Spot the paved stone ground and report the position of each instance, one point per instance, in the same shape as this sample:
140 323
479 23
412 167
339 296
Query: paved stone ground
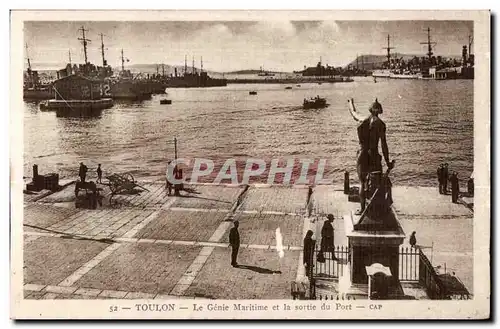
257 276
196 226
141 267
261 229
50 260
163 247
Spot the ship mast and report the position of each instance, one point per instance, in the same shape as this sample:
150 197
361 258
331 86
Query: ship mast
104 63
85 41
69 56
162 70
201 64
29 68
28 57
185 64
192 70
123 62
429 43
471 39
388 50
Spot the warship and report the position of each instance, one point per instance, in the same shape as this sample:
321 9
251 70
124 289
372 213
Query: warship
193 79
33 88
430 67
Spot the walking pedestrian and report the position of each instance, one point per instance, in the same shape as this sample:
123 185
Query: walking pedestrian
308 251
99 173
234 241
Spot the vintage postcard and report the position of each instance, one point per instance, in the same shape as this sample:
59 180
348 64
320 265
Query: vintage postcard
250 164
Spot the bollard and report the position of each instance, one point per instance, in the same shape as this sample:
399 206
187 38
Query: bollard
346 182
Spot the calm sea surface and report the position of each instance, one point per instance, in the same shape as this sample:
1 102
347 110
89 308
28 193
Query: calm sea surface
428 122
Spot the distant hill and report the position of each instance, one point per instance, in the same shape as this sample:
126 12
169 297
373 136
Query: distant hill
373 62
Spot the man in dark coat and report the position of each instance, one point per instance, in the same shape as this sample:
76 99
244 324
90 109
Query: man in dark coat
308 251
413 239
327 233
440 178
234 241
82 172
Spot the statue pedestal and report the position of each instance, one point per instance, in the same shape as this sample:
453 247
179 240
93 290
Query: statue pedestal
373 241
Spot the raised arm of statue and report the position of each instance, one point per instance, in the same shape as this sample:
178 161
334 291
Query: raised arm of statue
355 114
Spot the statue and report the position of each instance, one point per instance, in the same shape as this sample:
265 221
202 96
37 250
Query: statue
373 182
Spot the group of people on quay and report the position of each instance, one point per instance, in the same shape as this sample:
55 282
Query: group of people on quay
444 176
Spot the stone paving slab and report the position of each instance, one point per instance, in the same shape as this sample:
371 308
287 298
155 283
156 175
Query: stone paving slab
260 229
426 201
328 199
182 225
256 280
146 268
45 215
408 201
208 197
103 223
275 198
50 260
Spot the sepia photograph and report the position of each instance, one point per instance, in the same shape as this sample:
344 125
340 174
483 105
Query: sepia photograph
250 164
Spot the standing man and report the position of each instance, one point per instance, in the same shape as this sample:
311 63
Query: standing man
99 173
327 232
308 251
82 172
234 241
440 178
413 239
445 178
455 188
371 130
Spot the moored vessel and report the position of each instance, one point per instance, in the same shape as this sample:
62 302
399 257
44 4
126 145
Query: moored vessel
315 103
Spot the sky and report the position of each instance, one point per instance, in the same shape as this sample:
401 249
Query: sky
236 45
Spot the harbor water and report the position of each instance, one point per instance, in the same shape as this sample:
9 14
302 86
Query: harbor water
428 123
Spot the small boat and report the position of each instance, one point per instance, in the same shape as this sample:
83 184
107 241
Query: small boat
253 93
288 88
315 103
298 85
165 101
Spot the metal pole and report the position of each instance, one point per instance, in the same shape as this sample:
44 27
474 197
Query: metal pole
175 147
